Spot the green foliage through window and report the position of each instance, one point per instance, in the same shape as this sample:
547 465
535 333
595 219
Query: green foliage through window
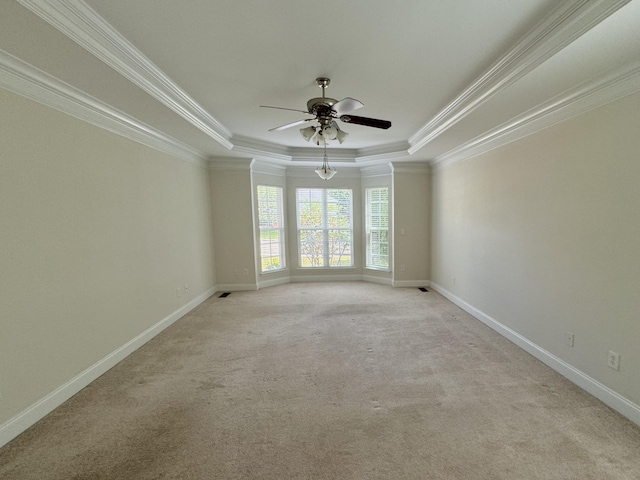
325 227
377 227
271 221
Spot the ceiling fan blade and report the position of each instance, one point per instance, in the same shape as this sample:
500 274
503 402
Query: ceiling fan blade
367 122
290 109
347 105
289 125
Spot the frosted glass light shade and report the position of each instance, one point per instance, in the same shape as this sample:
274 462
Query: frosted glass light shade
325 172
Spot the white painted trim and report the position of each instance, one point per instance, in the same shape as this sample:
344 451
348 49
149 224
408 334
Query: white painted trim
383 152
379 280
325 278
562 26
272 282
236 287
584 381
383 170
410 168
23 79
258 148
576 101
25 419
266 168
309 171
84 26
411 283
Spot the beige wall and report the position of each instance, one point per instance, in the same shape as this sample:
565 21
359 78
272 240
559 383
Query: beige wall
97 232
543 235
411 221
232 201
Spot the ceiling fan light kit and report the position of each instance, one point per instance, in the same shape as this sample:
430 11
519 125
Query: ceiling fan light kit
325 111
325 172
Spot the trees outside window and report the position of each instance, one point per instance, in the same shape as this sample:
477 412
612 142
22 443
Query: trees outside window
325 227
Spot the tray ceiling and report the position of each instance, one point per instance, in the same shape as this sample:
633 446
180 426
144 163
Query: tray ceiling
449 75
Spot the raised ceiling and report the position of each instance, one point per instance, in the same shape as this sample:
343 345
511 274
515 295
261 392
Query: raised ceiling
453 77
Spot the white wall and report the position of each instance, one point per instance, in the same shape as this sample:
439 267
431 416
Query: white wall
97 232
543 236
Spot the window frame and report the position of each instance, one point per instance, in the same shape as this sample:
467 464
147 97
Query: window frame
280 229
370 216
322 225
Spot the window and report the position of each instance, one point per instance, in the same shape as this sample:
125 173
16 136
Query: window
325 230
377 227
271 221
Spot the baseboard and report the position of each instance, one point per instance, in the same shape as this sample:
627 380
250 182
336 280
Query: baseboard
609 397
325 278
381 280
25 419
236 287
411 283
272 282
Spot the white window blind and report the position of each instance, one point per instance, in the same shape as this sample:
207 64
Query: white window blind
377 228
271 221
325 227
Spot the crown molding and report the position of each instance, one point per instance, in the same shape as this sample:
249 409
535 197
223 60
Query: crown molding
561 27
283 154
376 171
315 154
584 97
309 172
84 26
28 81
383 152
258 166
259 148
411 168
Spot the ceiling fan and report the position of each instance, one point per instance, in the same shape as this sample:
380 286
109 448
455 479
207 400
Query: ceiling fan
326 111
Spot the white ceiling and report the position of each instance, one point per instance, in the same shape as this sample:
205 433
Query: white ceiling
446 73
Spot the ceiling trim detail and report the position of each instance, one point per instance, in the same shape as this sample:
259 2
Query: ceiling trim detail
28 81
581 99
85 27
561 27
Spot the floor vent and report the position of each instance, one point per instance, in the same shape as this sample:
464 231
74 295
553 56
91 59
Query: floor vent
422 289
225 294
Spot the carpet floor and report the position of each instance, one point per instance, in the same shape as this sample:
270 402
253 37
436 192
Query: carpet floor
328 381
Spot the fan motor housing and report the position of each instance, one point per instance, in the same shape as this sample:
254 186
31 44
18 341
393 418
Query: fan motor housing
321 106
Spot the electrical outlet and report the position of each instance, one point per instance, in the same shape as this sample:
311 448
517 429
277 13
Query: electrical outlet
236 273
402 267
246 272
186 287
613 360
568 339
178 292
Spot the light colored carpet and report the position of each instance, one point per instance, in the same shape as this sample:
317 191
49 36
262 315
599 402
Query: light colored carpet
328 381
